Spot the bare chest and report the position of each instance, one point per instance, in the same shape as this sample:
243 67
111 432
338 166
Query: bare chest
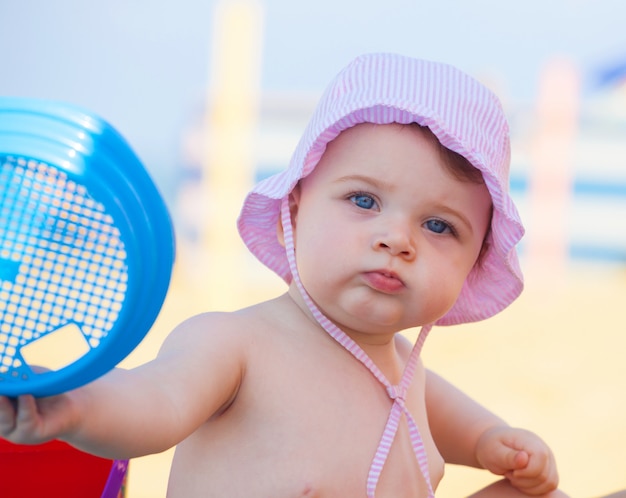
301 428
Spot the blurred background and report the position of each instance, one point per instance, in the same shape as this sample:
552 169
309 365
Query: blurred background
214 94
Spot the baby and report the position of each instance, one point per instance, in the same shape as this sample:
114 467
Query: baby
393 213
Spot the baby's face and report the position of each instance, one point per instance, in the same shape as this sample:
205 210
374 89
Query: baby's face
384 234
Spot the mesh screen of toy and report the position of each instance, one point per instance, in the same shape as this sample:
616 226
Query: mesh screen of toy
63 269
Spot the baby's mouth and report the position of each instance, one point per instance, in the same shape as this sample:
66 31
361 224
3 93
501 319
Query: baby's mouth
384 281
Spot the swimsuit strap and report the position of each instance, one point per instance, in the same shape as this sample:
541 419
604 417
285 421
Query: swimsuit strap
397 393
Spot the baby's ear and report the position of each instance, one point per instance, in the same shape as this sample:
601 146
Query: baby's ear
294 199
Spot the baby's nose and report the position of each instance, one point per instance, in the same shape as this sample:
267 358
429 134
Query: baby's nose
397 240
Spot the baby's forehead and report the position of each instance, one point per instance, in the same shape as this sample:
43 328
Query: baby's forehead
358 138
363 130
367 138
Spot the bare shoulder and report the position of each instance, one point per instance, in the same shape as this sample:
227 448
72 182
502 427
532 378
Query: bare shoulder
219 332
232 341
202 363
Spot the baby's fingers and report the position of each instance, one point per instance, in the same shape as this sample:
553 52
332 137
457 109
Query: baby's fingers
27 413
501 458
15 413
539 477
8 408
19 419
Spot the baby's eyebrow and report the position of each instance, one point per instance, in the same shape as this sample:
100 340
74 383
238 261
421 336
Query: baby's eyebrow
374 182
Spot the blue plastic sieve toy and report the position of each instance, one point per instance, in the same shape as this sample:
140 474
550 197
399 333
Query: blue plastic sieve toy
86 247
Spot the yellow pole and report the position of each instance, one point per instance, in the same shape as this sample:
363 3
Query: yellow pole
228 164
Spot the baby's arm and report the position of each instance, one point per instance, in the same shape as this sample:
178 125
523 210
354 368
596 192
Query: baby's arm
129 413
468 434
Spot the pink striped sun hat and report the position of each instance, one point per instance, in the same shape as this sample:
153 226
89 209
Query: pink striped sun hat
466 118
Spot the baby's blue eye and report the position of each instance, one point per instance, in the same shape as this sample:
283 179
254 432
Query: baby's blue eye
438 226
363 201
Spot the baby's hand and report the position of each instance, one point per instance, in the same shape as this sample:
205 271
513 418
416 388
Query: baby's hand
521 456
28 420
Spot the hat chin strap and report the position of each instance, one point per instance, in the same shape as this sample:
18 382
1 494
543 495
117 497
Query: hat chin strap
397 393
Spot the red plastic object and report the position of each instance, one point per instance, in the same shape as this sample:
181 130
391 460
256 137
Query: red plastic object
50 469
